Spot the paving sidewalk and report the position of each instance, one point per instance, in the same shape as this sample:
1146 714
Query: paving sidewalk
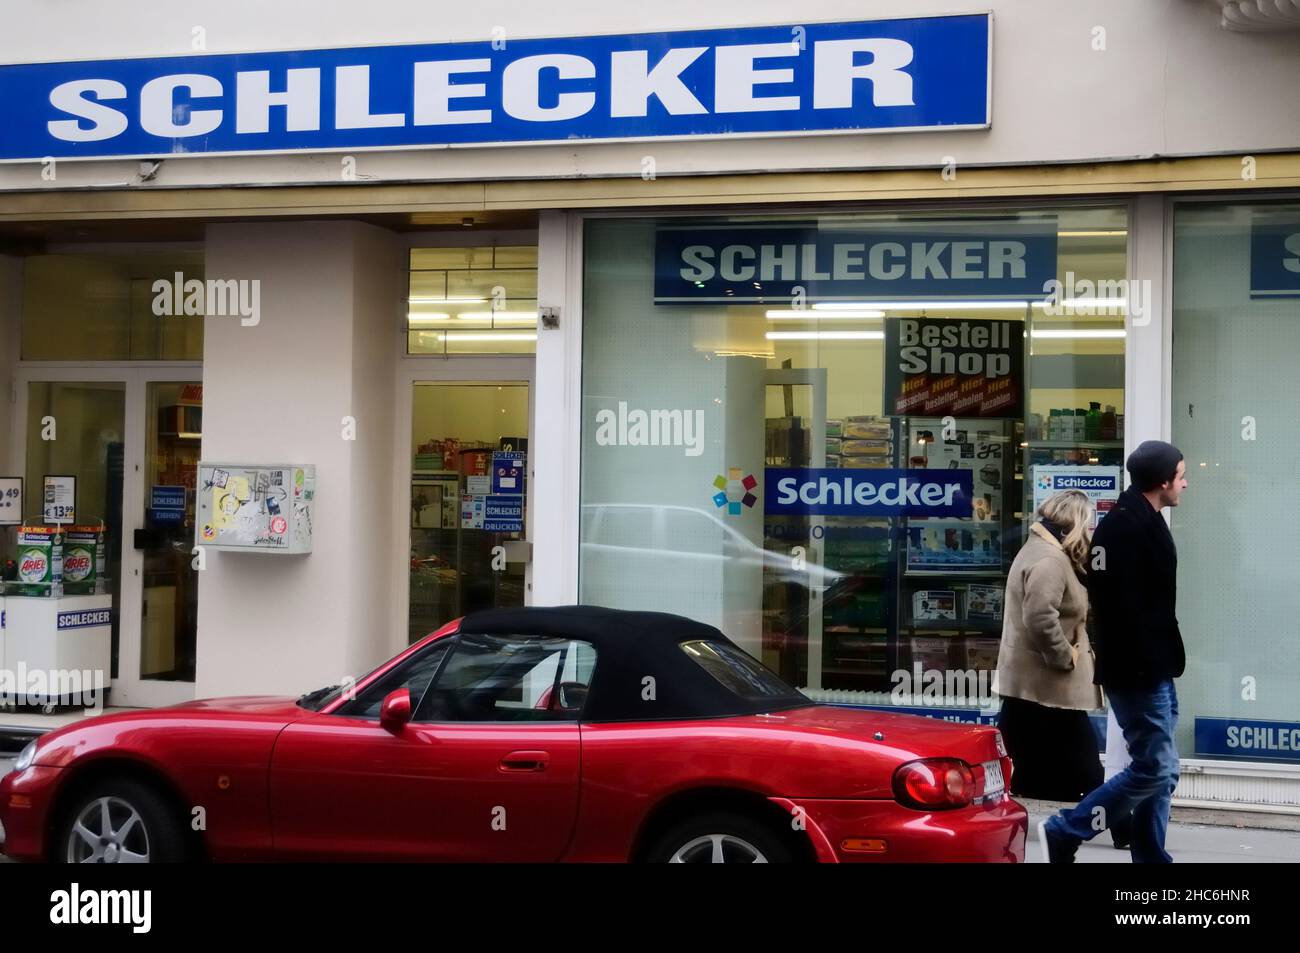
1219 842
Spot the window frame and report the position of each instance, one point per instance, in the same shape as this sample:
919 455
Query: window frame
559 671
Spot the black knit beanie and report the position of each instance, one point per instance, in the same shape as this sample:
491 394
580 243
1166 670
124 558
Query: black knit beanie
1154 462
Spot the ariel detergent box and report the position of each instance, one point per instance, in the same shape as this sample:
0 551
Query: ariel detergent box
40 561
83 560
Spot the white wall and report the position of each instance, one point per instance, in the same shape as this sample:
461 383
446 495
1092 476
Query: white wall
277 393
1169 82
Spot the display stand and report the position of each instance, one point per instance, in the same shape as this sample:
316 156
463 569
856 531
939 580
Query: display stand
59 635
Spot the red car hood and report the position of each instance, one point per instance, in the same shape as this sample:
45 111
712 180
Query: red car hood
268 706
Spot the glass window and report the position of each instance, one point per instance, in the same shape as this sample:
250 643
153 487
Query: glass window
105 307
414 675
478 300
469 460
1236 331
503 678
726 358
78 429
739 673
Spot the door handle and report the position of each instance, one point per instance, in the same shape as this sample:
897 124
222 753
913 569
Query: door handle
525 761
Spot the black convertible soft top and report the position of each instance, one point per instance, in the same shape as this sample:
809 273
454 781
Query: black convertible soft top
632 647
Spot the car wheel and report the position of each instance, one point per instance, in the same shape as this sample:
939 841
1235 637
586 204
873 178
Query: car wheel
721 838
120 822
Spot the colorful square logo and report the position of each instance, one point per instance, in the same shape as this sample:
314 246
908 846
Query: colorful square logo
735 492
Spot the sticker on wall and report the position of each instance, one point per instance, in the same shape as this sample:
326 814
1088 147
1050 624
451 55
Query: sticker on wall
209 532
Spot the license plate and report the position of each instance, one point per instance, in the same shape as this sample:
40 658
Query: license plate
993 783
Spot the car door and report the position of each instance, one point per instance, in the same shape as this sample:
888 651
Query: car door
480 772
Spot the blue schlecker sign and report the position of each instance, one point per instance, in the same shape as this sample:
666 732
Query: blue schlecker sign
1274 259
764 263
504 514
1240 738
865 76
792 491
167 505
86 619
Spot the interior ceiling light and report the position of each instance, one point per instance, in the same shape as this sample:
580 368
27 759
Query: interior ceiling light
825 335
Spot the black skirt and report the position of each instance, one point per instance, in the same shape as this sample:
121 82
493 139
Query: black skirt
1053 751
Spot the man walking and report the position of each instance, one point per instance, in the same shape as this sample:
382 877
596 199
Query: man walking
1131 584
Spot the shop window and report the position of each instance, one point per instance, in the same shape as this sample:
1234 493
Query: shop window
737 371
479 300
1236 331
107 307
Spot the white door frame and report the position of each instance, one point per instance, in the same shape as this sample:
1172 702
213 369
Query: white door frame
506 369
128 689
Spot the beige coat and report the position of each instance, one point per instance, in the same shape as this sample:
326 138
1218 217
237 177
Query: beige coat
1045 613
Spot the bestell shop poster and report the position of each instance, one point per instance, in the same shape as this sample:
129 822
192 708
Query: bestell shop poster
957 367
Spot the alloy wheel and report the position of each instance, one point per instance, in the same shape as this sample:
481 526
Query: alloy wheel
108 831
717 849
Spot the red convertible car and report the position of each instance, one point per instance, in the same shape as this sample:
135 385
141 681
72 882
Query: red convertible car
539 734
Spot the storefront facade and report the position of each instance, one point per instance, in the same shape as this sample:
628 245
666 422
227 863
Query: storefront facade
677 373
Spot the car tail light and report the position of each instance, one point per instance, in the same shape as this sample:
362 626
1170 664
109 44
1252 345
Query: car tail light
935 784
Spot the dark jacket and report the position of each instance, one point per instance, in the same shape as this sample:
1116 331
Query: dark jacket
1136 637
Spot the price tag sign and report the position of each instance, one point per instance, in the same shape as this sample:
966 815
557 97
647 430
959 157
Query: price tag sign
60 499
11 501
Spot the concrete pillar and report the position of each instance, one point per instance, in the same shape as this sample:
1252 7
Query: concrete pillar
324 349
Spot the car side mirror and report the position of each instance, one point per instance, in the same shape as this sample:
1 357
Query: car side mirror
395 710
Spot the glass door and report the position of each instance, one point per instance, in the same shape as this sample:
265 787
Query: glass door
76 428
469 491
159 578
131 438
169 606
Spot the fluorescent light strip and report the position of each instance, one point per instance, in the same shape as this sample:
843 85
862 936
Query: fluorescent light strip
485 336
1073 304
825 335
1080 333
805 315
991 305
442 299
501 317
974 305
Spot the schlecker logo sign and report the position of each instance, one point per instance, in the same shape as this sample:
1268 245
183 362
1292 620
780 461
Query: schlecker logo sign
794 491
1274 259
882 75
770 262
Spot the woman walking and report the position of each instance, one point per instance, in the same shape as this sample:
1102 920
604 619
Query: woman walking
1045 663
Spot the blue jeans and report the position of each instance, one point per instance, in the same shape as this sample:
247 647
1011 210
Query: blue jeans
1148 718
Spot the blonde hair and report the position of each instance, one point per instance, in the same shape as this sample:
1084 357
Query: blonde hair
1071 511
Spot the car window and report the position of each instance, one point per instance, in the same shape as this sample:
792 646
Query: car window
511 678
415 675
740 673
